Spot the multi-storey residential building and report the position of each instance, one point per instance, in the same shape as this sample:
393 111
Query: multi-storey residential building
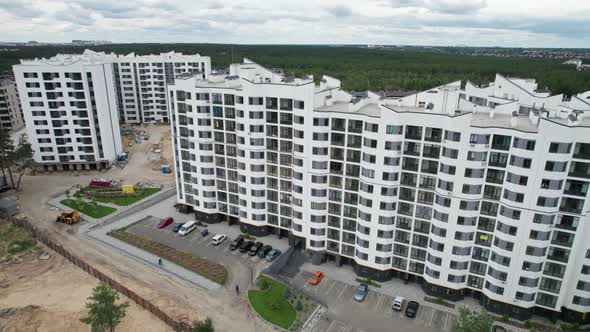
73 103
479 191
11 115
70 109
141 83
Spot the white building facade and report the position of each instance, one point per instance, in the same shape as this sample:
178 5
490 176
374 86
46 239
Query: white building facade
141 83
70 109
479 191
11 115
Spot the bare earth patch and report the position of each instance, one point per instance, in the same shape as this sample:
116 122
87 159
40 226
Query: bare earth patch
49 295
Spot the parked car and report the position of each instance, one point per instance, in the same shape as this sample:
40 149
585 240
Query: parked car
176 227
204 232
498 328
187 228
255 248
361 292
272 255
398 303
412 309
165 222
316 277
218 238
264 251
236 243
246 246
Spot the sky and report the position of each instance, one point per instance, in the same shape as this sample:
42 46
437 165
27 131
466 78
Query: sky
509 23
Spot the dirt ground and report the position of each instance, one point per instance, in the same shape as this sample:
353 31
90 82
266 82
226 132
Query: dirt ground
35 292
179 299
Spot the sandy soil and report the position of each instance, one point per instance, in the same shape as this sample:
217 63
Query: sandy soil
49 295
177 298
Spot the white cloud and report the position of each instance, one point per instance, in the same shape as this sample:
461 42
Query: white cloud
423 22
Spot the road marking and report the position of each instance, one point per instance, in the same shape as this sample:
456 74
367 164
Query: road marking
342 292
379 299
446 319
330 287
419 312
432 317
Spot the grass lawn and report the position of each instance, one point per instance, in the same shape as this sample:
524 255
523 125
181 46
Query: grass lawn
271 305
128 200
88 209
14 240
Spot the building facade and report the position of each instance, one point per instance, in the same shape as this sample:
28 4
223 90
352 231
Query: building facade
11 115
141 83
479 191
70 109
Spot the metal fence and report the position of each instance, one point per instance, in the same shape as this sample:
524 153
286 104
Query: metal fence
42 236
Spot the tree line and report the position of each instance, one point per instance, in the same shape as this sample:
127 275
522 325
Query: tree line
358 68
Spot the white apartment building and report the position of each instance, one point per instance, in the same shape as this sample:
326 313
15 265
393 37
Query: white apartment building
479 191
141 82
11 115
73 103
70 110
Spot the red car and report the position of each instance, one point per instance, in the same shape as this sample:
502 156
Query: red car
165 222
316 278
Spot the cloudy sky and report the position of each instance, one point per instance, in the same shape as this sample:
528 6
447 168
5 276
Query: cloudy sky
520 23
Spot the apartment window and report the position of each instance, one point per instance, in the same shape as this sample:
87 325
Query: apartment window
524 144
560 147
452 136
394 130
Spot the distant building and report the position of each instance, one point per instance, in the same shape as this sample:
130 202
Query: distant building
11 115
90 42
475 191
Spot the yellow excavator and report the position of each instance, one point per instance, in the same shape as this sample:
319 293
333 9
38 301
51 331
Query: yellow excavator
69 217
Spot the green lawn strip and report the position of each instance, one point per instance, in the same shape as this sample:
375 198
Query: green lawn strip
271 305
124 200
87 208
14 240
210 270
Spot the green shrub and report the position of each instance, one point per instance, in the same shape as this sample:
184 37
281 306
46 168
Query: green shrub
298 306
505 318
263 284
439 300
528 324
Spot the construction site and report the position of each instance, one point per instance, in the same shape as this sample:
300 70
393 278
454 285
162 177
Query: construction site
42 291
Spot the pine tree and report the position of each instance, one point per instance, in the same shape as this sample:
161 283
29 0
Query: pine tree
103 312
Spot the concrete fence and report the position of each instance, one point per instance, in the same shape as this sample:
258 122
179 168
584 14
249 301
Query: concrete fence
42 237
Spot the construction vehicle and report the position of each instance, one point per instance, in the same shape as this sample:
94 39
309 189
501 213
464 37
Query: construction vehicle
69 217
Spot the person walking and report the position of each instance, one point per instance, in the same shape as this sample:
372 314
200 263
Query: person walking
160 261
237 290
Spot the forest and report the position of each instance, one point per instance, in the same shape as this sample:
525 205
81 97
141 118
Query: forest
358 68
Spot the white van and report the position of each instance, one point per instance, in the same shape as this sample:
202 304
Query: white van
187 228
217 239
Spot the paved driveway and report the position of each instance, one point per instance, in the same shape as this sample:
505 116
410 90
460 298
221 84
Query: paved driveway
373 314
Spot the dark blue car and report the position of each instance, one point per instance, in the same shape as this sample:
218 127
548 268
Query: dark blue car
176 227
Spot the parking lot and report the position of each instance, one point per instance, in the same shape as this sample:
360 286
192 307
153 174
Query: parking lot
373 314
242 269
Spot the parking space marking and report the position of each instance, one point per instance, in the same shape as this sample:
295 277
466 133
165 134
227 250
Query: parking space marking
337 326
431 318
330 287
446 320
336 289
342 292
380 299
